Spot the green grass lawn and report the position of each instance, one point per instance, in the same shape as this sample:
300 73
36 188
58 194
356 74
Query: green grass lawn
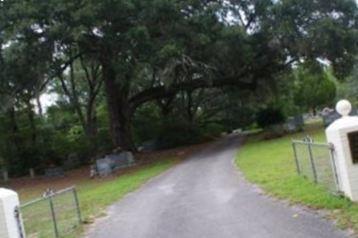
94 197
270 164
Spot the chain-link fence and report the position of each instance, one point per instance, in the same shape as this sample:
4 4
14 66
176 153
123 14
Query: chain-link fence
56 214
316 162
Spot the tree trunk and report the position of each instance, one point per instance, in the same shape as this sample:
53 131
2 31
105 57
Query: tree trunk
13 141
13 123
189 107
112 103
126 137
120 114
31 117
91 123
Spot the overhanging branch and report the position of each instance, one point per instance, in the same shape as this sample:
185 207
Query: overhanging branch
167 91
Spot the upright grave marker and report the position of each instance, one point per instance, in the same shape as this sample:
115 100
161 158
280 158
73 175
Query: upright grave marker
113 162
343 134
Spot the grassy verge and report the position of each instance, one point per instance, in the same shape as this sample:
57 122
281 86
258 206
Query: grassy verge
94 197
270 164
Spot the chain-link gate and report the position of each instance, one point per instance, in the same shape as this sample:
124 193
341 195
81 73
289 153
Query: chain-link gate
316 162
54 215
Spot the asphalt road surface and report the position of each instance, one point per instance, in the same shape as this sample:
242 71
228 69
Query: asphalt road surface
206 197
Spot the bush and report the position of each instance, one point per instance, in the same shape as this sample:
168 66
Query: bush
269 117
177 133
212 130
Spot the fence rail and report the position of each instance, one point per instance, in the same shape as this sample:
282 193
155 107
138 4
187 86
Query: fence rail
316 162
54 215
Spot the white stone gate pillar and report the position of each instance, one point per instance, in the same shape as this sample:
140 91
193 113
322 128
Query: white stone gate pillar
343 134
9 226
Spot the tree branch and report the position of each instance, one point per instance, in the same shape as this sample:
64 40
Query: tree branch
166 91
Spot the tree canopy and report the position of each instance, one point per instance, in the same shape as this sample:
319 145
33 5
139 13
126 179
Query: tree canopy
117 58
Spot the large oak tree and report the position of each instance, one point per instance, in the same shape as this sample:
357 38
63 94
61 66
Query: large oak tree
151 50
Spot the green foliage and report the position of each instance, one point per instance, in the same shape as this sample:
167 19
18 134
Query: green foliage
74 134
147 123
349 87
176 132
172 129
130 71
270 116
213 130
314 88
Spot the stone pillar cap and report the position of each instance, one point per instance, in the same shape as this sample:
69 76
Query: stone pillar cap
344 107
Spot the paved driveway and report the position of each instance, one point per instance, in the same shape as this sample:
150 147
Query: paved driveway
205 197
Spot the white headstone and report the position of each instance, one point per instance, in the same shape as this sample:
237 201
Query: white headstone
9 227
338 134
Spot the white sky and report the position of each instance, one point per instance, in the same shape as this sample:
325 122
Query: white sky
48 99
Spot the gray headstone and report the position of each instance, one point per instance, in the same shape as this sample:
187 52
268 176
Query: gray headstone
295 123
149 146
299 120
54 172
114 162
291 126
121 160
104 166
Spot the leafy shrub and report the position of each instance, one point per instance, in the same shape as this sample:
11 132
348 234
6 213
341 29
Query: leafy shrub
178 132
212 130
270 116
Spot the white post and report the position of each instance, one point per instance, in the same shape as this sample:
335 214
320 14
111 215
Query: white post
5 175
9 226
343 134
32 173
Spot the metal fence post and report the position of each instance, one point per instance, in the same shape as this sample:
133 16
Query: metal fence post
77 205
296 159
53 213
312 162
19 222
334 167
